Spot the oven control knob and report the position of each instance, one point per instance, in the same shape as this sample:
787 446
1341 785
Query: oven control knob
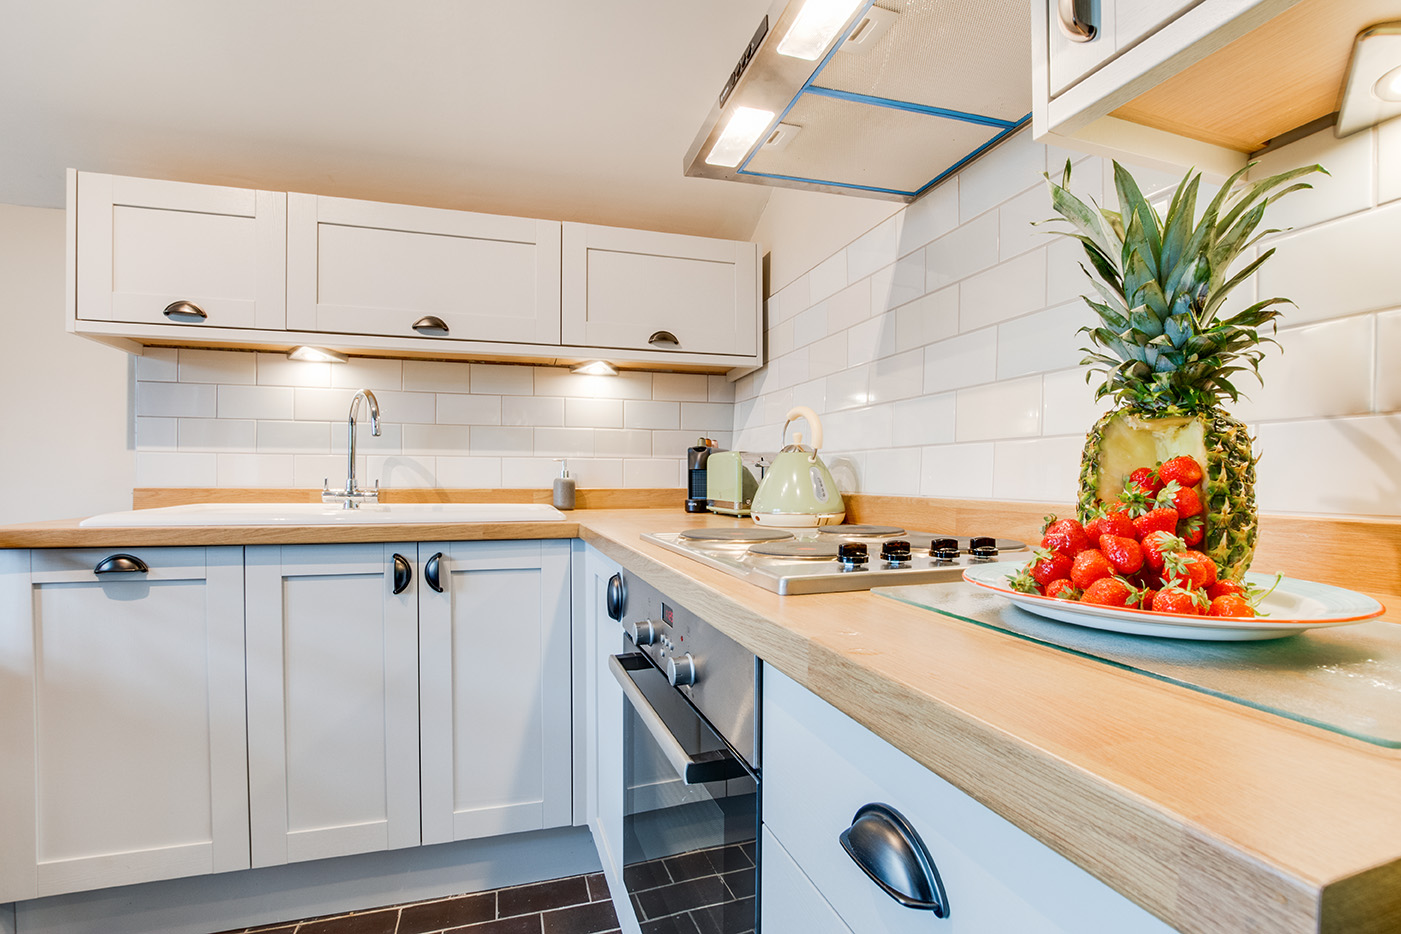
681 671
643 632
896 552
983 547
944 549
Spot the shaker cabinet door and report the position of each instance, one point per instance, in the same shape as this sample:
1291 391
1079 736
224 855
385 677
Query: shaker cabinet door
332 700
174 253
495 663
122 743
361 267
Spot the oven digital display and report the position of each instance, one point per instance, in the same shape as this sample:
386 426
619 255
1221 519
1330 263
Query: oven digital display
667 615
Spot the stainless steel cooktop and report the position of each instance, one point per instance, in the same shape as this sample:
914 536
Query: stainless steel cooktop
833 558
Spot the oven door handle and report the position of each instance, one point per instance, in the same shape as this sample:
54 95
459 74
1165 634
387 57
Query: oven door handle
692 769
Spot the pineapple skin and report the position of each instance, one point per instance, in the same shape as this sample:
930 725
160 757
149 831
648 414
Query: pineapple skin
1228 484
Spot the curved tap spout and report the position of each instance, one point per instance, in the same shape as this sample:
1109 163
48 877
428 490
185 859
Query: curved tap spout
373 403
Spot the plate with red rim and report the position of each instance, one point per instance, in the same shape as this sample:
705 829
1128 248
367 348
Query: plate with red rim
1293 606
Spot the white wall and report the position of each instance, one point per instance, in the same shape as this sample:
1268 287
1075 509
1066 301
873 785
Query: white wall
940 345
64 400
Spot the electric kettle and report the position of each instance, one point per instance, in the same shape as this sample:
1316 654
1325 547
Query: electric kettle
798 489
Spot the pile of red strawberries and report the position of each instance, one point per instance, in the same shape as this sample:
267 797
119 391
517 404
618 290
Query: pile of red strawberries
1138 553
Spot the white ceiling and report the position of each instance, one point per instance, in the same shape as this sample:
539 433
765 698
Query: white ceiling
568 109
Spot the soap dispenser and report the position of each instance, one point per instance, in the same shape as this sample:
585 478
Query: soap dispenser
564 487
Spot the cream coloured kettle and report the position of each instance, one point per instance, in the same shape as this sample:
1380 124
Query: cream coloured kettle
798 489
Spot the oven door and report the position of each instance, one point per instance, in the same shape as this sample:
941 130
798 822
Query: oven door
690 812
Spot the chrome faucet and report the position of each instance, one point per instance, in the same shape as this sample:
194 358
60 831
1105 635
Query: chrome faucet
351 497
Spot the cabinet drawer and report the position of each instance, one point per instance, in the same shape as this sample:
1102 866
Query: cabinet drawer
821 766
790 901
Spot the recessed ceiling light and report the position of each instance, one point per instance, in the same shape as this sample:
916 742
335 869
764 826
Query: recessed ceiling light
815 26
596 368
746 125
316 355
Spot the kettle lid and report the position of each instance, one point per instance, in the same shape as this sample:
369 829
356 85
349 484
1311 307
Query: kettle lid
797 446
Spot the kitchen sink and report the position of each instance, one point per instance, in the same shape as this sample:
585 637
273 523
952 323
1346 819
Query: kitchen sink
327 514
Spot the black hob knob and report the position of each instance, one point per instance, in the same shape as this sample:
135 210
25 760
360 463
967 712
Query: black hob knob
896 551
982 547
944 549
851 554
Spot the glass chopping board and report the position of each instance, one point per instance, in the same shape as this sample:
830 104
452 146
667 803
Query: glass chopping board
1345 679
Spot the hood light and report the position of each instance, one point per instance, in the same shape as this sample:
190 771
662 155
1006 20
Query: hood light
816 25
596 368
316 355
745 127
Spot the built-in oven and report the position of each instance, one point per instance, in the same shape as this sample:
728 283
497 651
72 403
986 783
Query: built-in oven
690 767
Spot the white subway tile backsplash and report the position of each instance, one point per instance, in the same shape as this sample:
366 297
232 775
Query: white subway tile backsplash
718 388
558 381
957 470
594 472
502 442
1389 161
878 247
848 389
1006 291
854 429
276 369
1010 409
436 376
217 434
1338 268
449 440
680 387
892 472
1068 405
850 306
217 366
1388 353
1047 340
1042 469
293 438
810 325
871 340
780 339
925 420
622 442
501 379
789 300
1015 220
930 217
1065 279
467 473
399 472
528 472
898 283
390 439
176 468
932 318
1324 370
987 181
639 414
173 400
156 434
593 413
320 405
897 377
827 355
311 470
969 249
1337 465
828 277
158 364
563 442
1346 189
960 361
812 394
706 416
643 474
265 402
373 373
456 408
256 470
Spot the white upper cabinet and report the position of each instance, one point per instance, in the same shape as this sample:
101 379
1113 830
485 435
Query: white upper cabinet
361 267
661 293
155 252
122 737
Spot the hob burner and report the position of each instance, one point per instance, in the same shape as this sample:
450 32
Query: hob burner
861 531
735 536
806 550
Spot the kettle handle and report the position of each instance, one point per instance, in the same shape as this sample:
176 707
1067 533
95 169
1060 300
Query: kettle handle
802 411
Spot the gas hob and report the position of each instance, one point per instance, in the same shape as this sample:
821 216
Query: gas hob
833 558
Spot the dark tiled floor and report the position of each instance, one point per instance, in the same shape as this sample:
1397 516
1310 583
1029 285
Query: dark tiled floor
701 892
576 905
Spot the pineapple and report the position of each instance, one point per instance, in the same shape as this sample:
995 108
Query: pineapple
1166 348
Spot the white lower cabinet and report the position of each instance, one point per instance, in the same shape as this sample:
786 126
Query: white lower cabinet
791 902
820 767
122 744
494 668
332 700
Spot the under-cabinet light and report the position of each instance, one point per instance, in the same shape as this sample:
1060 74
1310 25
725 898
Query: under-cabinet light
316 355
596 368
1373 90
746 125
814 28
1388 88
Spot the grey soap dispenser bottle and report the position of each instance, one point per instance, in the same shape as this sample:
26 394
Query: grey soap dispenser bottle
564 487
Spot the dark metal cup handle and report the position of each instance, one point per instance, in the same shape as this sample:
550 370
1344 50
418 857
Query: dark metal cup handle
118 564
663 338
403 573
431 325
185 313
431 570
881 841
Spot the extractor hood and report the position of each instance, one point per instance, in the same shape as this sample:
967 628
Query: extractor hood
883 99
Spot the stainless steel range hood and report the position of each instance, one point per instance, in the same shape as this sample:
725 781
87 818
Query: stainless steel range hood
901 94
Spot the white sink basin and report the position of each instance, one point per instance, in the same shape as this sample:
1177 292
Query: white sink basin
318 514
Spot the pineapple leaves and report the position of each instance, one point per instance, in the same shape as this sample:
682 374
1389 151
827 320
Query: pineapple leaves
1160 343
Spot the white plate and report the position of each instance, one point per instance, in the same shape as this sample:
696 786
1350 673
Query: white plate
1294 606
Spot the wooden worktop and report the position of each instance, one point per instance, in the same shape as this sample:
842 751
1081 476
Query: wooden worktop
1218 818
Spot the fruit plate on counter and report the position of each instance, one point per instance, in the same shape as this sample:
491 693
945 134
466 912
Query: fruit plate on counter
1293 606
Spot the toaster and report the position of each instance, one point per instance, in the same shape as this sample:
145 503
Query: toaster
730 482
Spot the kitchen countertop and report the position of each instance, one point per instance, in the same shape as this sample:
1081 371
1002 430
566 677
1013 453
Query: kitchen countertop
1216 817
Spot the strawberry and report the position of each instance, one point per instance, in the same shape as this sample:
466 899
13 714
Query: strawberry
1156 545
1108 591
1090 565
1065 536
1225 586
1048 565
1147 594
1191 531
1063 589
1023 582
1174 599
1184 499
1161 519
1189 568
1145 479
1124 553
1182 469
1110 522
1230 604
